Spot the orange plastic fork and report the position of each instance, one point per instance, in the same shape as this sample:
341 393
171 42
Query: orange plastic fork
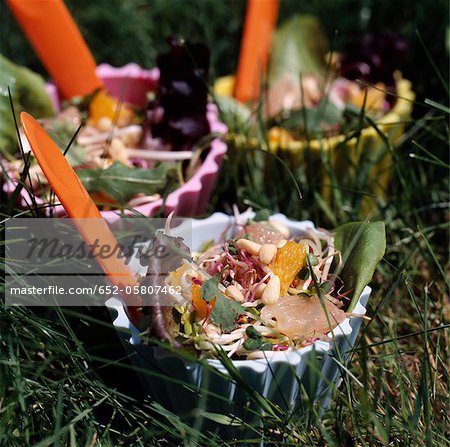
260 21
79 205
59 44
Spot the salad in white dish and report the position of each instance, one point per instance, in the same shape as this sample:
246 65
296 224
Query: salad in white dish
261 289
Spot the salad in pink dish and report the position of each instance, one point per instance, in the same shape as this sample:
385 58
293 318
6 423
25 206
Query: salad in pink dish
161 147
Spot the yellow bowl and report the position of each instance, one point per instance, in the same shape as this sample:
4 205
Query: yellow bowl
337 161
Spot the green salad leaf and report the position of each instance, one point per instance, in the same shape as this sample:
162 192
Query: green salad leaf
225 311
122 182
317 121
299 46
236 116
362 245
27 93
210 289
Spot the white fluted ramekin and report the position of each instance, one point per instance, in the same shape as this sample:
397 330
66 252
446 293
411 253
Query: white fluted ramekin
285 378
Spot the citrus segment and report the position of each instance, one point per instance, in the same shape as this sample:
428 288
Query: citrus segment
302 317
202 307
261 233
104 105
289 260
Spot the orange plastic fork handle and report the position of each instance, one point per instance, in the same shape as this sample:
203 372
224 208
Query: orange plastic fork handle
59 44
260 21
79 205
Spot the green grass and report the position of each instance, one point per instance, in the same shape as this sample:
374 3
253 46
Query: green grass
64 380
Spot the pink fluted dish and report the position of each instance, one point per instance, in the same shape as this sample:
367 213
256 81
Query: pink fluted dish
132 83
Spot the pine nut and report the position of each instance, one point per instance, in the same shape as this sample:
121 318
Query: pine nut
117 150
212 330
282 243
260 290
234 293
104 124
281 228
271 293
249 246
267 253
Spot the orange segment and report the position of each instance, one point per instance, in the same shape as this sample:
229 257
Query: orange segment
289 260
104 105
202 307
